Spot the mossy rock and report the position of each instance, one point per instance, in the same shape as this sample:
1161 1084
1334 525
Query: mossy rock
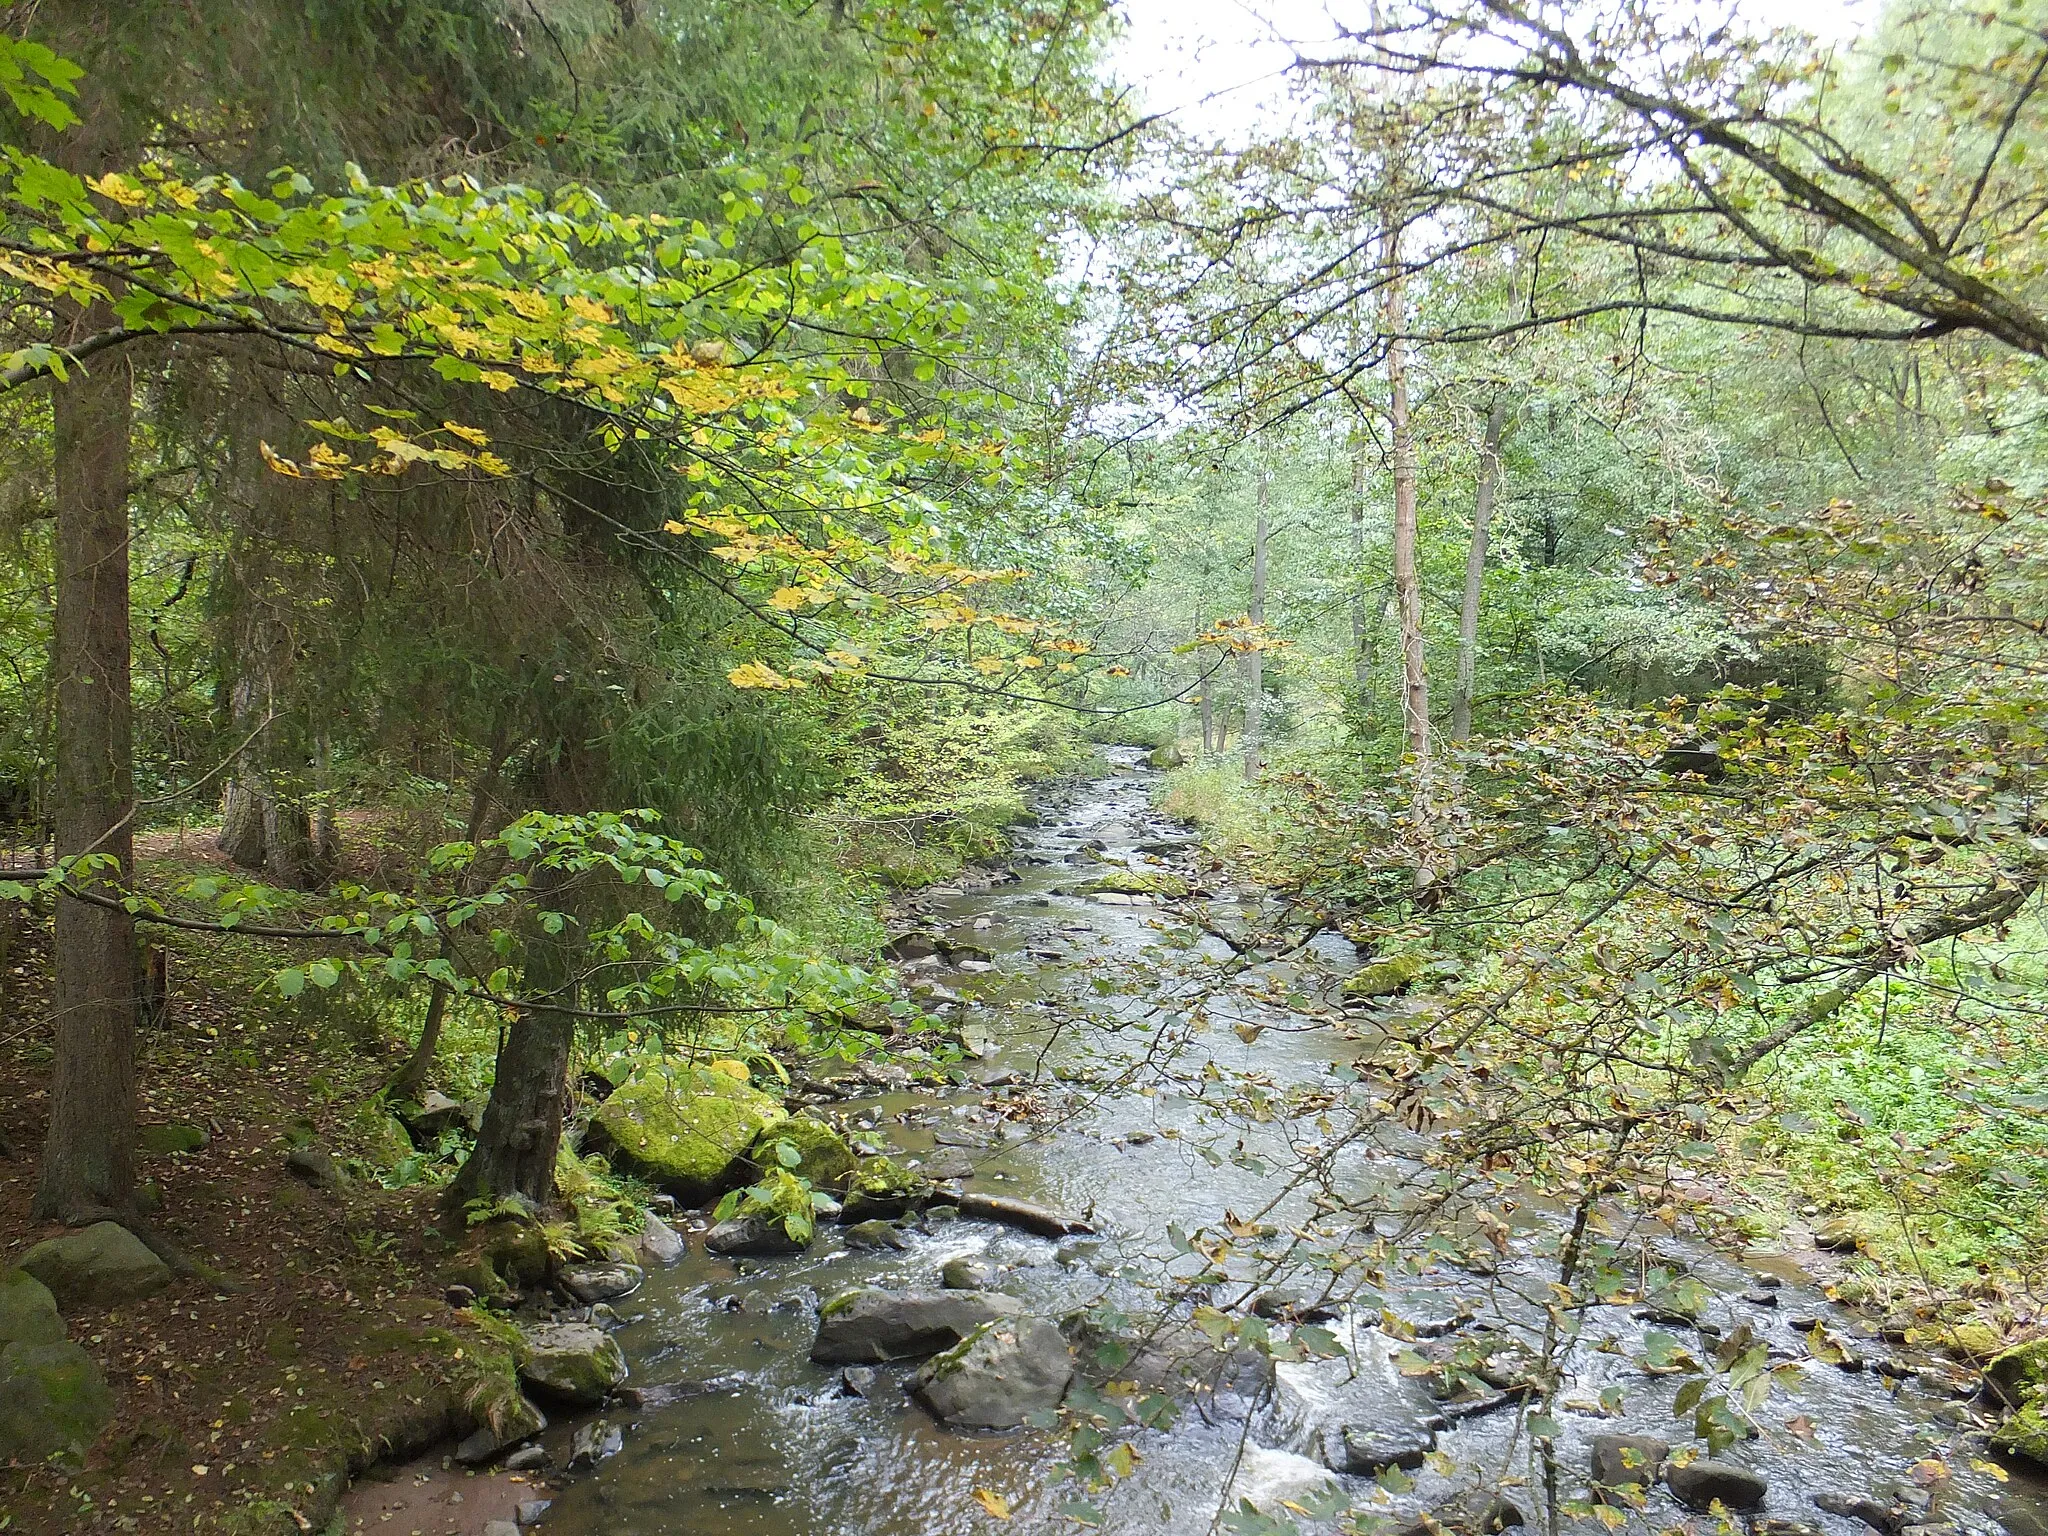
28 1312
53 1400
517 1251
384 1141
1973 1341
2025 1434
882 1187
823 1155
1167 756
1384 978
2020 1374
687 1132
1136 882
168 1140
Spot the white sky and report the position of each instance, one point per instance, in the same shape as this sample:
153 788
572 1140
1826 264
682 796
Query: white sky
1218 64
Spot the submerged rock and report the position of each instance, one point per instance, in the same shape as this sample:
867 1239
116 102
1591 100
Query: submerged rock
102 1266
686 1131
594 1442
573 1364
874 1234
1703 1484
966 1274
872 1327
1007 1371
1472 1513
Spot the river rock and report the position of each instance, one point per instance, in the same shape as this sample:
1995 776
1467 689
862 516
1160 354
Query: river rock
1366 1450
761 1235
595 1441
53 1400
529 1511
1623 1461
574 1364
102 1266
872 1327
1874 1513
28 1312
592 1283
882 1187
2025 1434
1383 978
967 1274
1286 1306
1703 1484
911 946
685 1130
874 1234
528 1458
1007 1371
660 1243
1838 1234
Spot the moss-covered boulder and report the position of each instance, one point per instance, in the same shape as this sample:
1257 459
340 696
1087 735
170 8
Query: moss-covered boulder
1135 882
102 1266
384 1141
573 1364
53 1400
882 1187
2026 1432
1384 978
2020 1373
822 1154
686 1131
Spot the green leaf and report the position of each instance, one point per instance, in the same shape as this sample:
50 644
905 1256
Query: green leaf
291 982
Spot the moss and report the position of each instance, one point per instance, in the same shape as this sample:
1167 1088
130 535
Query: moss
166 1140
881 1186
1383 978
2020 1373
383 1141
823 1156
2026 1432
843 1302
1135 882
687 1131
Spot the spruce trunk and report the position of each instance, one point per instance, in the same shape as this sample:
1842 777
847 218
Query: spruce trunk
88 1162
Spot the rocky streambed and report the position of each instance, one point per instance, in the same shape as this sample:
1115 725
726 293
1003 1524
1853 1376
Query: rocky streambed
1041 1243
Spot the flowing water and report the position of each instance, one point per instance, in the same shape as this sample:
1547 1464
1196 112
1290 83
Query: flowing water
1110 1117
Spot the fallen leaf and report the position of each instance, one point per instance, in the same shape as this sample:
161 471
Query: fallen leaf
993 1502
1801 1426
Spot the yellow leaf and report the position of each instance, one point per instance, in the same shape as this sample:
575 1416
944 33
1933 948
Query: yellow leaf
993 1502
498 379
467 434
1990 1469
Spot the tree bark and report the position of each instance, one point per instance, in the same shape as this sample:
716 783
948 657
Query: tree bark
1255 660
1361 669
1208 710
1407 578
88 1162
1475 570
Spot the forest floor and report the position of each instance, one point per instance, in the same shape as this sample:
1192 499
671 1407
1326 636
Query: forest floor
243 1394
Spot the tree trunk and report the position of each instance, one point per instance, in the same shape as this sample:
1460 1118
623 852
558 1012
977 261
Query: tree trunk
1361 669
1255 660
1475 570
1407 578
1208 710
89 1154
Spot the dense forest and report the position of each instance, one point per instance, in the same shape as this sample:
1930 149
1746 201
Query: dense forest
940 803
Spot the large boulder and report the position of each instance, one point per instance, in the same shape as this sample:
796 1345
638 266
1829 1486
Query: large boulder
822 1154
1007 1371
871 1327
1384 978
53 1400
575 1365
102 1266
686 1131
1702 1484
28 1312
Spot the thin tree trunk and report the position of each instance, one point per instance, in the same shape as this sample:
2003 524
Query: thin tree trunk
1475 569
1255 660
1208 709
89 1154
1361 670
1407 578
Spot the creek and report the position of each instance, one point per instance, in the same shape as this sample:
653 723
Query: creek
1087 1097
